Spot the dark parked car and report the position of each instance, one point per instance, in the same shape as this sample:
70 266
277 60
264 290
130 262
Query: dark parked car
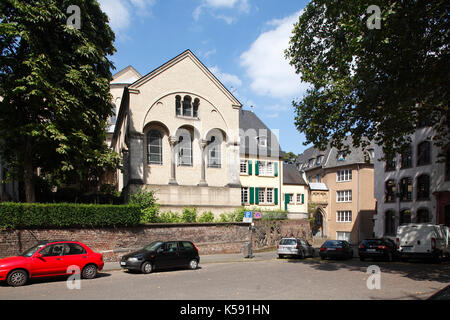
162 255
383 248
338 249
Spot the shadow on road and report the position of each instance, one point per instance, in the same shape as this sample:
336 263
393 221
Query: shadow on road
416 270
54 279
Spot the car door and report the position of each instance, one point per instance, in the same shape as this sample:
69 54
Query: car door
169 256
74 255
51 261
186 252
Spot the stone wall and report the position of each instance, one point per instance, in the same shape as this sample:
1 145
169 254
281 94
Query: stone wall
210 238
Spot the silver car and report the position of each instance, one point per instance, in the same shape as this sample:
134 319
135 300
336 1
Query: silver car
294 247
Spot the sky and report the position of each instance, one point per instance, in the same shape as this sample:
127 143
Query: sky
242 42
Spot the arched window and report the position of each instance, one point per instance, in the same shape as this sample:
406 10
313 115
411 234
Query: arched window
405 216
214 152
113 118
187 106
390 190
185 149
423 187
154 147
406 158
196 104
406 189
423 215
424 153
178 105
389 222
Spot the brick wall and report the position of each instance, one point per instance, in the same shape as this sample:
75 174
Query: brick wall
210 238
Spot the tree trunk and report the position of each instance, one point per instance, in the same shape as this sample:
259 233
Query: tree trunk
28 173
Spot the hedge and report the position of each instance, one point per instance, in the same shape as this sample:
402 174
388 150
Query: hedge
45 215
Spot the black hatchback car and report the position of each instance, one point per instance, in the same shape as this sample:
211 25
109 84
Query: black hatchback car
383 248
162 255
336 249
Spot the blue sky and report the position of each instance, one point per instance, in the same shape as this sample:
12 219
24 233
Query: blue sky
240 41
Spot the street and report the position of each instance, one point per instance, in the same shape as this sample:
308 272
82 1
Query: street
269 279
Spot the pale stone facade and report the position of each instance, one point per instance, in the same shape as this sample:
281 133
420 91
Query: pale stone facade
414 187
178 131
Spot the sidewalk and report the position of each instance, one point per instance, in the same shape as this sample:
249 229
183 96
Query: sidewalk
213 258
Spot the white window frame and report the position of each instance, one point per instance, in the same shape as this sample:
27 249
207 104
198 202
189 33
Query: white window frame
266 169
299 198
344 196
244 164
346 235
344 216
344 175
269 191
262 196
245 195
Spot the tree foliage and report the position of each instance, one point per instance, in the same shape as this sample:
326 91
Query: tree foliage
54 81
381 84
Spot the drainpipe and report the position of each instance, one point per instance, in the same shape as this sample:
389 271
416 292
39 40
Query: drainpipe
359 224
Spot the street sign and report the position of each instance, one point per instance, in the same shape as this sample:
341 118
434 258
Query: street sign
258 215
247 217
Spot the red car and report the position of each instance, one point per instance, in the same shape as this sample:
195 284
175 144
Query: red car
50 258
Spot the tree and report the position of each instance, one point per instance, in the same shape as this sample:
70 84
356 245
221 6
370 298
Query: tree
54 80
375 83
289 157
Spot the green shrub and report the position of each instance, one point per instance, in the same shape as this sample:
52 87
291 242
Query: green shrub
46 215
150 214
146 201
169 217
189 215
207 216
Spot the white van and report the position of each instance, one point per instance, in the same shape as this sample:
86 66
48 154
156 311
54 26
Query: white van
423 240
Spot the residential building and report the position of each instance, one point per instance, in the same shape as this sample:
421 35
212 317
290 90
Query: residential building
295 195
260 172
342 200
414 186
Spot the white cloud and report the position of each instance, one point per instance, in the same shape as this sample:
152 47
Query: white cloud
265 64
243 6
120 12
226 78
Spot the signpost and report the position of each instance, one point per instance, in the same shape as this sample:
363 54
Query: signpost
248 217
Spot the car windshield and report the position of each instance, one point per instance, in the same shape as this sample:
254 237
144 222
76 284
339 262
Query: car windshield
153 246
288 242
333 244
373 242
32 250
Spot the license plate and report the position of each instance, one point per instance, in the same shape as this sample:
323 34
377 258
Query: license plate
371 250
406 249
123 263
331 249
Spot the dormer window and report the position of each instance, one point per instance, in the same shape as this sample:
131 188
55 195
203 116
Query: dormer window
311 162
340 156
319 160
262 141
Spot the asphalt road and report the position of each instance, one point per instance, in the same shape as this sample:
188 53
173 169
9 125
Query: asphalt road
291 279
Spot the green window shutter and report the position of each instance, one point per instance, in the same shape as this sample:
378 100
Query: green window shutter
303 198
256 195
252 195
276 169
286 200
257 168
276 196
250 167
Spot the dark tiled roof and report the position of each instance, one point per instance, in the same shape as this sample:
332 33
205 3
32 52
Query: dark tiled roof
291 175
330 156
252 129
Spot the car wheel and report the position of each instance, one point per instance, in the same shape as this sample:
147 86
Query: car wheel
280 256
17 278
193 264
146 267
89 271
